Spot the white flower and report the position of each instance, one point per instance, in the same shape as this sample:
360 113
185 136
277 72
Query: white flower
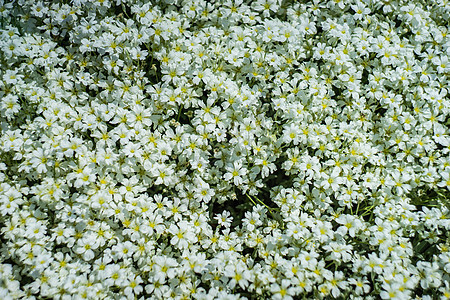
332 180
175 208
236 172
251 220
350 225
182 236
238 274
134 286
10 105
163 174
339 251
115 275
361 285
285 291
41 159
86 247
203 192
164 267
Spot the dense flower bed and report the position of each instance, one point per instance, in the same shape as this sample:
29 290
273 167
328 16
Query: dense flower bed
224 149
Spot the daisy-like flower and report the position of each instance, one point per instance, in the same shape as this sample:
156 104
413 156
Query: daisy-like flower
236 173
164 267
238 274
182 236
41 160
204 192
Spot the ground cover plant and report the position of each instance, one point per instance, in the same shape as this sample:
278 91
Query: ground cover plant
266 149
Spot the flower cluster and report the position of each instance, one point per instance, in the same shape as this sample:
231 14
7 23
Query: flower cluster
224 149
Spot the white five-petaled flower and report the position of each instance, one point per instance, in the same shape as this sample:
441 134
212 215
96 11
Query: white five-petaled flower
235 173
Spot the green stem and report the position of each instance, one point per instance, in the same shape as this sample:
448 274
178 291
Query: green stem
260 201
357 208
254 203
251 199
179 113
125 11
